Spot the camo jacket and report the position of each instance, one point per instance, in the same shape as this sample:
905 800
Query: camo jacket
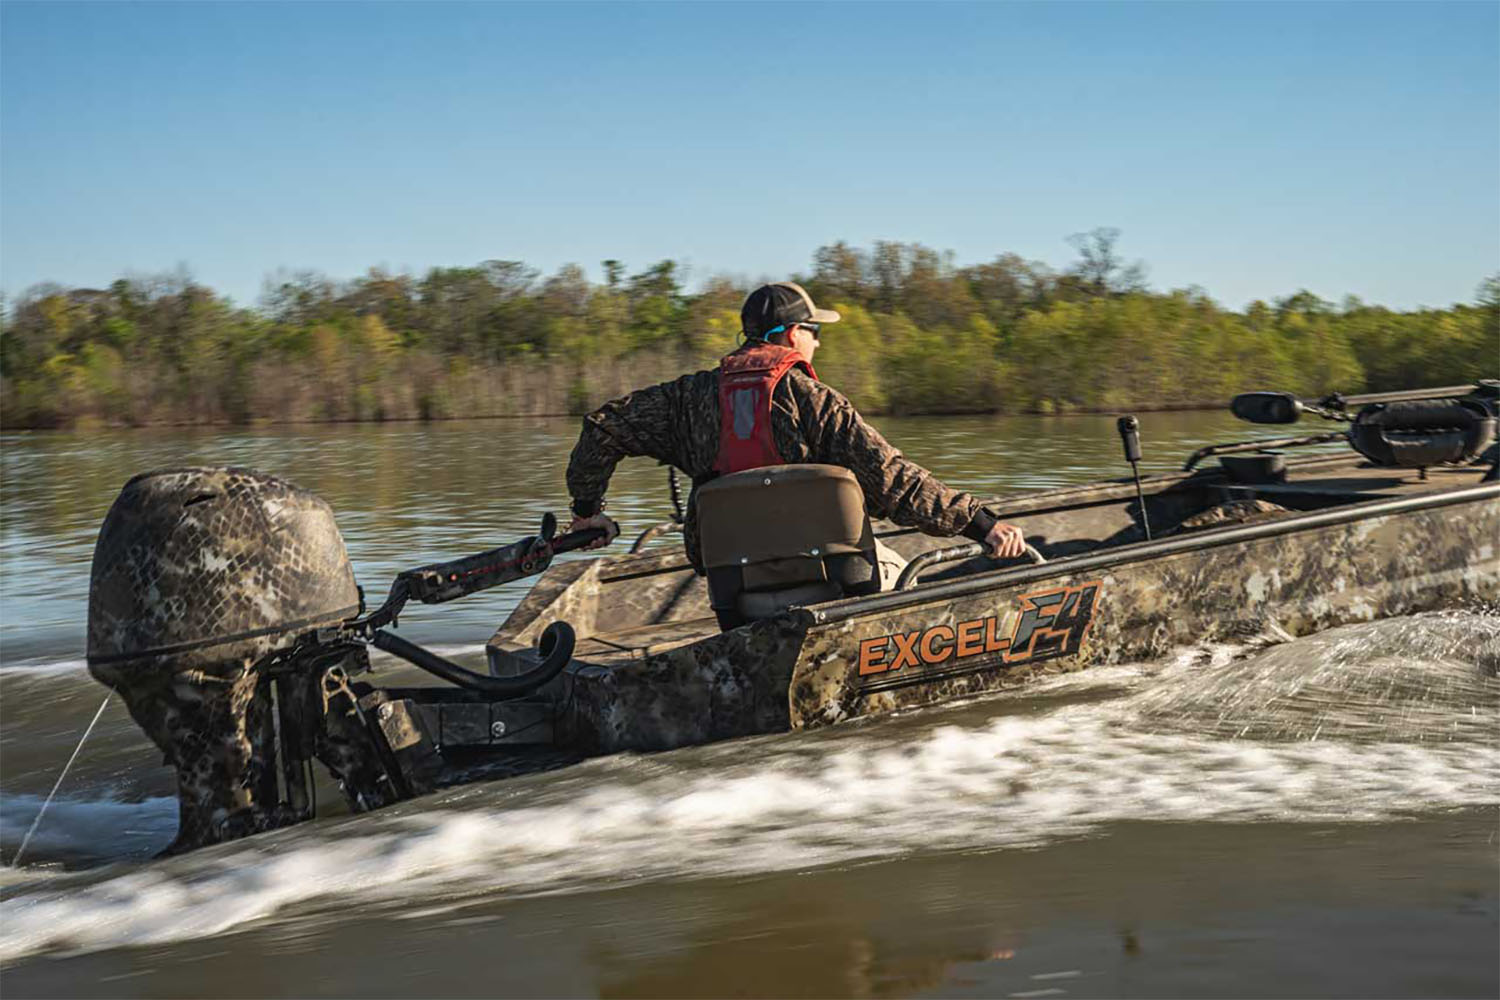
677 423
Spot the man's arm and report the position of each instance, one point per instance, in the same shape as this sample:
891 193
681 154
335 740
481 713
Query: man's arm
894 486
618 429
646 422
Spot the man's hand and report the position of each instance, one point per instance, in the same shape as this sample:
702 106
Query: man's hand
1005 541
611 529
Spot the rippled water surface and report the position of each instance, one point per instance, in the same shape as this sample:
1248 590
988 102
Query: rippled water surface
1274 818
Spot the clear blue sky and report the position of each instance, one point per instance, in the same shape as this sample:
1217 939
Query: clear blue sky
1250 149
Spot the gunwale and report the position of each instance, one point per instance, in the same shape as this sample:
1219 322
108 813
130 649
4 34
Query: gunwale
966 586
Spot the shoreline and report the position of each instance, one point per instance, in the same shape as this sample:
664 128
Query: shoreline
93 425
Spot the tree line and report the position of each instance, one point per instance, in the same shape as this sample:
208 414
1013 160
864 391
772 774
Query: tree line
919 335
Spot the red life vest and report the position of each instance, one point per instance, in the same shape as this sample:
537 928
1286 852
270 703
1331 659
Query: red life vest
747 378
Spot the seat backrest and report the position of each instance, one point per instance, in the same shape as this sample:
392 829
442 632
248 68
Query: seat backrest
784 534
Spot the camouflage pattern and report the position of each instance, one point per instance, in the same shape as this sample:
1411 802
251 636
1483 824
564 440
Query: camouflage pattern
201 576
677 423
1235 512
734 684
652 672
214 727
202 562
1250 568
599 596
1302 581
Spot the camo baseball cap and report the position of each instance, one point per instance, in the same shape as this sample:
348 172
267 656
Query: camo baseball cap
780 304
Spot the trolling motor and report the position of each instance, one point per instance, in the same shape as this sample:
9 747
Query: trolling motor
1130 437
1411 429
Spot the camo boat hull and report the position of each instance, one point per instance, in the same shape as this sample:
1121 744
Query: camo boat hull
1302 575
681 682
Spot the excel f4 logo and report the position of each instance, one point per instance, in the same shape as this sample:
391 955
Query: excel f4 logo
1047 623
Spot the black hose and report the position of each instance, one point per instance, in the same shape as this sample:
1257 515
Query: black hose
556 647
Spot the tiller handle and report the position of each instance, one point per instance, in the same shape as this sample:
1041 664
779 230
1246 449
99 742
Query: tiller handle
447 581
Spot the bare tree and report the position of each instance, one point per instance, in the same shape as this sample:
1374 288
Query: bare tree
1100 267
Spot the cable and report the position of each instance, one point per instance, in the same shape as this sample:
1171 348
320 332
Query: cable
16 861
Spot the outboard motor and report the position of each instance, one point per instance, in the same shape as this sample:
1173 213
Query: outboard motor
203 582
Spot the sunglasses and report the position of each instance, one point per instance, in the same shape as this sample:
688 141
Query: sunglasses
812 328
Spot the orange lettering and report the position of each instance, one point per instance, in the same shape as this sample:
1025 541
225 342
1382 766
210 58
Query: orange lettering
872 655
906 650
930 652
993 644
969 640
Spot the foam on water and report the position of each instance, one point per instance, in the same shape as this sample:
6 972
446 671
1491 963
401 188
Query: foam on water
1423 677
1016 781
45 667
967 778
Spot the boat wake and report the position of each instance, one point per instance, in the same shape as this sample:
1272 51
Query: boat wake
1180 743
45 667
1429 677
73 829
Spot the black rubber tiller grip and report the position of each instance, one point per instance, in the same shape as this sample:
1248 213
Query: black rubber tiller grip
576 539
447 581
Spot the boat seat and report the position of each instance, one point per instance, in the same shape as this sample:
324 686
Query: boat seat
764 604
782 536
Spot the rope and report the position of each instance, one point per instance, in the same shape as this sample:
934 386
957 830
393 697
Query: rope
15 862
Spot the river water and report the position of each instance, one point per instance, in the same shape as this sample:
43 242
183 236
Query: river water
1314 817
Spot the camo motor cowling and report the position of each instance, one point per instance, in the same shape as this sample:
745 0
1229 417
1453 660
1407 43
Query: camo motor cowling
205 562
200 576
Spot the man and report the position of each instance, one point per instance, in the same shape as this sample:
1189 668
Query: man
763 406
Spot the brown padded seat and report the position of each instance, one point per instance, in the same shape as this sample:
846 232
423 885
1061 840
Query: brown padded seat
784 535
